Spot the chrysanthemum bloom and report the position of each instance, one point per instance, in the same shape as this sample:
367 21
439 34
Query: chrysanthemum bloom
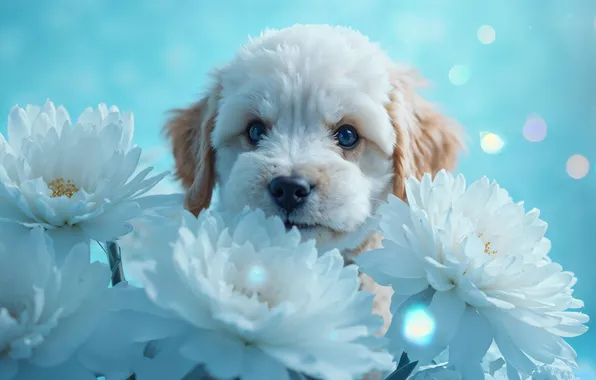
74 180
556 371
477 263
47 309
249 300
494 364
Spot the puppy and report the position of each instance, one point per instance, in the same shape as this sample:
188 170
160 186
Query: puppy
316 124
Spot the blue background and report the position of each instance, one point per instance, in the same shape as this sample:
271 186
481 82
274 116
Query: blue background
150 56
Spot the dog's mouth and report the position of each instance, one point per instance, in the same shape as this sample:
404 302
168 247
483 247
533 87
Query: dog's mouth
300 226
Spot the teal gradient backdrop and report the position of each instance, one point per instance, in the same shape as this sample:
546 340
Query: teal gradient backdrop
150 56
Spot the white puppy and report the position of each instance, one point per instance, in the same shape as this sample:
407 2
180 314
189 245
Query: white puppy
315 124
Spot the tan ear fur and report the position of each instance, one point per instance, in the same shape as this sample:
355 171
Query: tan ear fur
426 140
189 130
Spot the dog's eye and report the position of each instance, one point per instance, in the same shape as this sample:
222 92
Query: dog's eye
255 131
346 136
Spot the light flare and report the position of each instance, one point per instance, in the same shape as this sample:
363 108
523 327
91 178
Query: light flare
419 326
256 276
491 143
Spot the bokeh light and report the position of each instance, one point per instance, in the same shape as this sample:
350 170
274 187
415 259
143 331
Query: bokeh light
578 166
256 276
486 34
459 75
418 326
534 129
491 143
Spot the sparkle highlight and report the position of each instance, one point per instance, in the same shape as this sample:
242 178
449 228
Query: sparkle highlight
256 276
418 326
491 143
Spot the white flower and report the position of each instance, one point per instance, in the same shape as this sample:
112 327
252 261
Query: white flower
47 310
246 298
73 180
145 225
556 371
477 262
494 364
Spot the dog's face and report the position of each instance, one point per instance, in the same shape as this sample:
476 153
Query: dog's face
311 123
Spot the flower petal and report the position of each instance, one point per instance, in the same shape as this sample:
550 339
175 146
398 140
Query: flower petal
70 334
257 366
439 276
10 213
41 125
168 364
113 223
516 358
223 356
390 262
470 343
18 127
408 286
62 117
127 130
65 238
160 201
446 309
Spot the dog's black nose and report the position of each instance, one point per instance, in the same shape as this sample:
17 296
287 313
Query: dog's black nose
289 192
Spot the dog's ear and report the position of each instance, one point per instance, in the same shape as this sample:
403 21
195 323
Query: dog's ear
189 130
426 140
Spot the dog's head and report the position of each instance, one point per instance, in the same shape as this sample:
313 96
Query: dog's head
312 123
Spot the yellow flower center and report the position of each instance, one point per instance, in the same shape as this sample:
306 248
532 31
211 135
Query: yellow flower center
487 246
62 188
